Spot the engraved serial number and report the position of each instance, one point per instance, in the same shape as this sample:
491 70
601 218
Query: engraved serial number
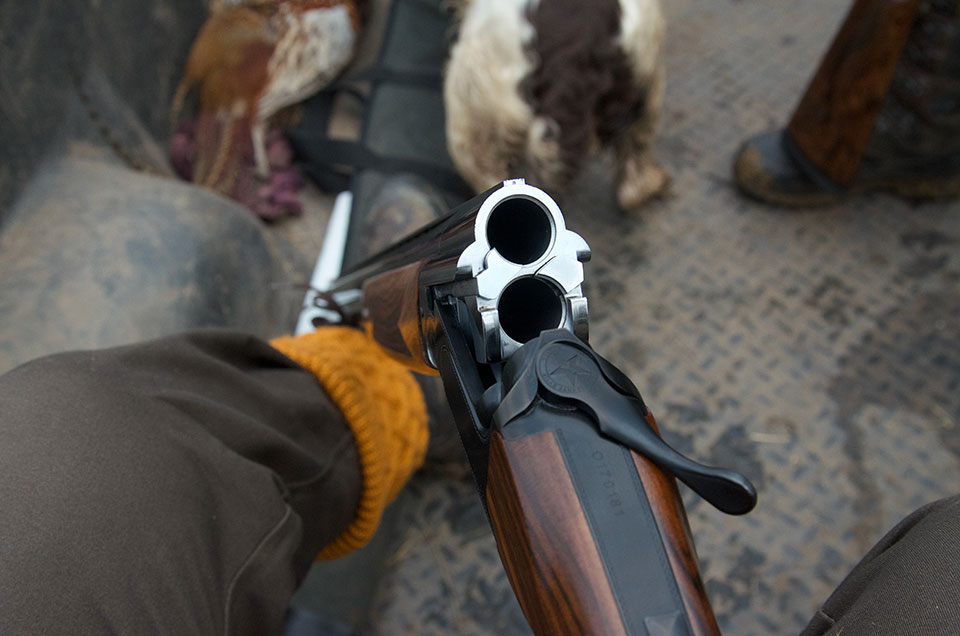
611 494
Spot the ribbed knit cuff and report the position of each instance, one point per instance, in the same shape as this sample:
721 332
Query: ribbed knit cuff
384 408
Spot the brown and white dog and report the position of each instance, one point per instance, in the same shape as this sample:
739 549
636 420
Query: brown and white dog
533 87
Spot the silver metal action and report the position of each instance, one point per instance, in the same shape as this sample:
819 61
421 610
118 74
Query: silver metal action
504 260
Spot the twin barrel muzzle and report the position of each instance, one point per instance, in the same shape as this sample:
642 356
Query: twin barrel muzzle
527 268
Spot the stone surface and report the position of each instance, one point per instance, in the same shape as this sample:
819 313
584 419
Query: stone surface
46 50
95 255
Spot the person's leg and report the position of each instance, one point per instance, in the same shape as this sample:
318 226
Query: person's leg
909 583
183 486
882 112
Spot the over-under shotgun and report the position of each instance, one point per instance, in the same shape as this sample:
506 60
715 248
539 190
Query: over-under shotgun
577 483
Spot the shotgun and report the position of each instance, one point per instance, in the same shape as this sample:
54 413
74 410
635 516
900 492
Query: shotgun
577 484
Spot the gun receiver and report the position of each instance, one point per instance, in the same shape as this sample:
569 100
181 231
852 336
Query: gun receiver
575 479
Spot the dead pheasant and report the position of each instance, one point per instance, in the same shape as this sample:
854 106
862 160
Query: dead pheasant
251 60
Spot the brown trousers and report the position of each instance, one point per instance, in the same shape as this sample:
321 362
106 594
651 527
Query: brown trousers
183 487
178 487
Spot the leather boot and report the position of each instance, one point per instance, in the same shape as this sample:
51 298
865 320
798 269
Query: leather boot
398 206
913 149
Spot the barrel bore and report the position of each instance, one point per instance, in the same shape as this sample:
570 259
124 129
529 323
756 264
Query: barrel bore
519 228
528 306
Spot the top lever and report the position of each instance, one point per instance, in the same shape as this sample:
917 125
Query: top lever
559 367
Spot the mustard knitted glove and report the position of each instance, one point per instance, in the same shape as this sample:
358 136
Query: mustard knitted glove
383 406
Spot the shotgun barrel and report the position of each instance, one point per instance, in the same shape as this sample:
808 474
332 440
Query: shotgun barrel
507 257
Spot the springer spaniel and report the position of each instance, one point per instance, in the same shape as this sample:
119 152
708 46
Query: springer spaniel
533 86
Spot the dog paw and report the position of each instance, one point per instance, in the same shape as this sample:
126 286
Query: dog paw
641 179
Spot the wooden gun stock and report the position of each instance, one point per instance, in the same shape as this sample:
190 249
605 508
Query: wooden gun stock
593 536
834 120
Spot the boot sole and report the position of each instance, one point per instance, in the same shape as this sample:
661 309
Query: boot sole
927 190
914 190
